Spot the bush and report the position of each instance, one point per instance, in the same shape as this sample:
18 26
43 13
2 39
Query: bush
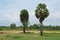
13 25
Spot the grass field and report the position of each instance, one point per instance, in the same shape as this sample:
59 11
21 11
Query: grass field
29 36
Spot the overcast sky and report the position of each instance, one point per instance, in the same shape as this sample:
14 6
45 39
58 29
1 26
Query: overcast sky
10 10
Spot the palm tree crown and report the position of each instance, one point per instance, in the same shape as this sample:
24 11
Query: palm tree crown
24 16
41 12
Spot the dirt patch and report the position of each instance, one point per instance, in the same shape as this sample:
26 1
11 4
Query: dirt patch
33 31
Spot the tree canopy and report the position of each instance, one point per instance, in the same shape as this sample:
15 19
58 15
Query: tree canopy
41 12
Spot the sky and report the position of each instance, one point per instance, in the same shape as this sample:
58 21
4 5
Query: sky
10 11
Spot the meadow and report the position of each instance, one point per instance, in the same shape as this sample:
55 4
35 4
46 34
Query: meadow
32 33
29 35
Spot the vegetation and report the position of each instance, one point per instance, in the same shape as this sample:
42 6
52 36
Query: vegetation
32 27
24 17
41 13
46 36
13 25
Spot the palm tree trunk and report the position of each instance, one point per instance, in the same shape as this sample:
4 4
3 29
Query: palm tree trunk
41 29
24 30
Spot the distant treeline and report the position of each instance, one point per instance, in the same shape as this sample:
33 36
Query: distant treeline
50 27
31 27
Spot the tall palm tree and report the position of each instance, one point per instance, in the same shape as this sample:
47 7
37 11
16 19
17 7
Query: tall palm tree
41 13
24 18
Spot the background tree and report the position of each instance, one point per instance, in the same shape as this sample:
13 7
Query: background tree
24 18
13 25
41 13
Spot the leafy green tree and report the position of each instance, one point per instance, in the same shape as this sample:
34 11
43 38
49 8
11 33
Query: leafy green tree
41 13
24 18
35 26
13 25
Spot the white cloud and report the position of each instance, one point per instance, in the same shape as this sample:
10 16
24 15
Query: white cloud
9 16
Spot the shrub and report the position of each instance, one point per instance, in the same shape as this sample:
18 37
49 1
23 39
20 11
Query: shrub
13 25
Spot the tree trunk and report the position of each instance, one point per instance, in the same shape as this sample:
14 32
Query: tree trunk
24 30
41 29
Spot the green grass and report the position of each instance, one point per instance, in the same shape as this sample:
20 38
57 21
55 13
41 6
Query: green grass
30 36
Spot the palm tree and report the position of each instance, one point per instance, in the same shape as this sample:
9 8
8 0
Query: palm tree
41 13
24 18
